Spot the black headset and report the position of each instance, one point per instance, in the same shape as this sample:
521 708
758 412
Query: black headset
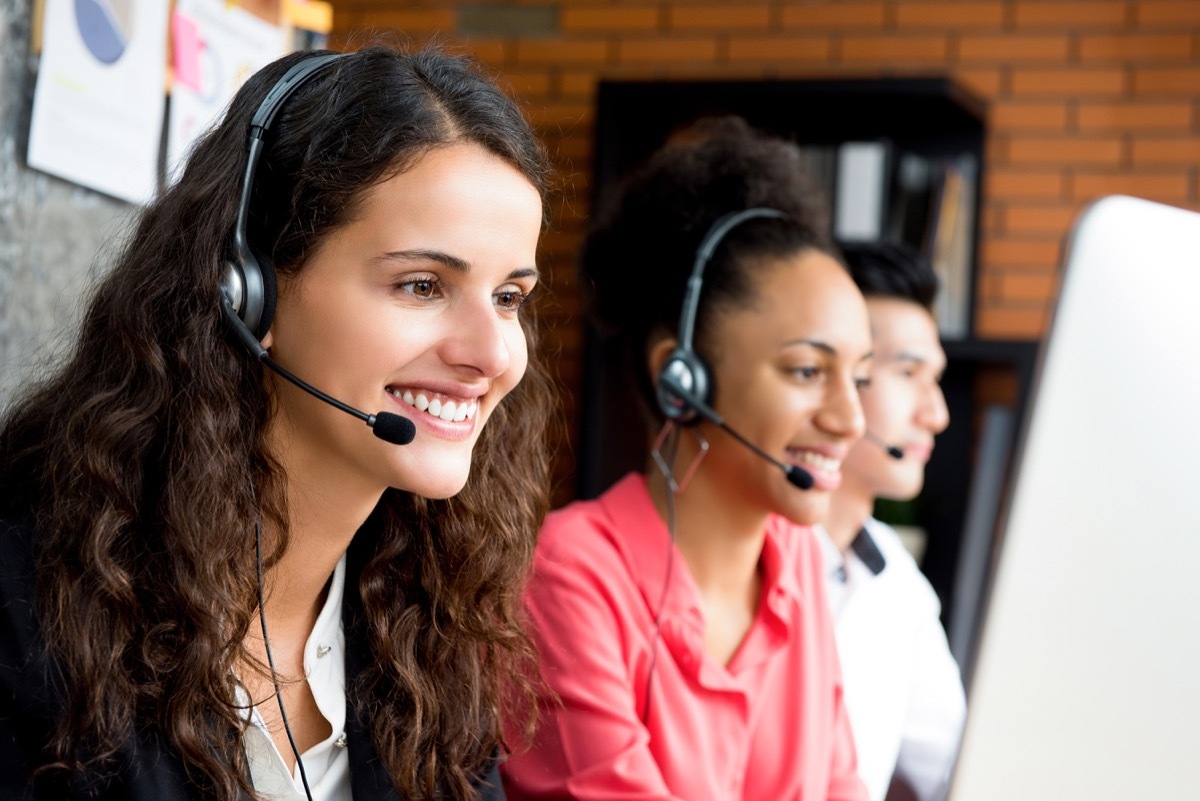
248 285
685 378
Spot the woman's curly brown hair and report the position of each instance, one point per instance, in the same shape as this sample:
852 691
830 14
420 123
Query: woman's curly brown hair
143 463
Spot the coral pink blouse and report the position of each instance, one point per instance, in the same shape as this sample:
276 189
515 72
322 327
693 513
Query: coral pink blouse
769 726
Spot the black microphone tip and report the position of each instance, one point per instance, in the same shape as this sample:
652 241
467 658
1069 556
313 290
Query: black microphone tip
394 429
895 452
799 477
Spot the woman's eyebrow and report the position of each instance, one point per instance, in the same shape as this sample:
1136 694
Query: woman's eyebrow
825 347
453 262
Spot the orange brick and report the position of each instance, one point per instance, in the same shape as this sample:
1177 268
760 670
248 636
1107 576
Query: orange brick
1020 253
489 51
1105 152
1028 286
894 48
998 322
1007 183
1169 187
834 15
554 52
1159 81
666 50
984 82
528 83
1078 14
720 18
1013 49
1133 116
607 19
995 148
950 15
1166 152
1137 48
778 48
1167 12
992 220
413 20
1068 82
987 284
1028 116
1040 219
577 84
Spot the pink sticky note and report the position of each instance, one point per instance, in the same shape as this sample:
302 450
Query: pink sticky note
188 44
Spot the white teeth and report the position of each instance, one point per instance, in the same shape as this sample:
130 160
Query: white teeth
450 411
823 463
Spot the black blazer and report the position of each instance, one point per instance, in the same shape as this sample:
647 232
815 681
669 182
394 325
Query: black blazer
31 697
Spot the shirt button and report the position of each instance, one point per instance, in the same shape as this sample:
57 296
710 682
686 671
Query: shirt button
340 742
323 650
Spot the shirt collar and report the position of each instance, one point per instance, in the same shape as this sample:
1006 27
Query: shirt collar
863 549
868 552
645 543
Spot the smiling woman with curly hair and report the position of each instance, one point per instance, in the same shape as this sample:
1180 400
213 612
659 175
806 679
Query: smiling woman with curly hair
195 554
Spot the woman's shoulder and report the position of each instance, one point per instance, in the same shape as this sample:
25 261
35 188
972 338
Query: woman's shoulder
599 524
606 542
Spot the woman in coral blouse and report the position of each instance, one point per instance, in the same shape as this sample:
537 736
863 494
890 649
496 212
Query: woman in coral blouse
685 639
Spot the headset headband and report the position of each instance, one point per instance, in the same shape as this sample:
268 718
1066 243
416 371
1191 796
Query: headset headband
691 299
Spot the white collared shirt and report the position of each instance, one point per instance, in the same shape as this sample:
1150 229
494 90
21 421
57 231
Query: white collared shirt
326 764
903 692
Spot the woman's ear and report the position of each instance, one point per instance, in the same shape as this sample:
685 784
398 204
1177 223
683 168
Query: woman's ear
658 350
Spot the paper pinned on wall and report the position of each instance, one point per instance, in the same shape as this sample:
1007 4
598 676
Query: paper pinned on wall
98 103
217 47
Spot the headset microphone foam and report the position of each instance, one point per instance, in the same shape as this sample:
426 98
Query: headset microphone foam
387 426
796 476
890 450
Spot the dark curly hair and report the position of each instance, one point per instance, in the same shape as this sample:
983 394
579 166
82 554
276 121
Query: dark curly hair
640 251
143 463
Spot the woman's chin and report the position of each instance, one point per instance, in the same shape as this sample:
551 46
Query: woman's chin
433 486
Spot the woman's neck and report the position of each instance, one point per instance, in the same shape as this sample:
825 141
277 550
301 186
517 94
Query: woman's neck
720 539
325 508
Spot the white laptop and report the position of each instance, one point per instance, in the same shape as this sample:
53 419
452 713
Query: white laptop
1087 681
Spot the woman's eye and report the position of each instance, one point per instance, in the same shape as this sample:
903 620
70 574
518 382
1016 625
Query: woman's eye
862 383
807 373
511 300
423 288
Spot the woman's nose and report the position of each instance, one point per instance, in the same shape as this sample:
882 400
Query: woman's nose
478 340
841 413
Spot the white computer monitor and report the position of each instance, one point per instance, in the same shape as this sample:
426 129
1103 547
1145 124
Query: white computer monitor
1087 680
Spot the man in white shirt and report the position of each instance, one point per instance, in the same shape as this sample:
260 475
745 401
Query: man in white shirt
903 692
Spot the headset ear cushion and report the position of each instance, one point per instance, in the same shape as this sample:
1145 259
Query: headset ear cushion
685 370
270 296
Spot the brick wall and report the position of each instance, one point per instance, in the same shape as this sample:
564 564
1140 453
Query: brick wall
1087 98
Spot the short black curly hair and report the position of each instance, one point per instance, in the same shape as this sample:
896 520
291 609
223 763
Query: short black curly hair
640 250
891 270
